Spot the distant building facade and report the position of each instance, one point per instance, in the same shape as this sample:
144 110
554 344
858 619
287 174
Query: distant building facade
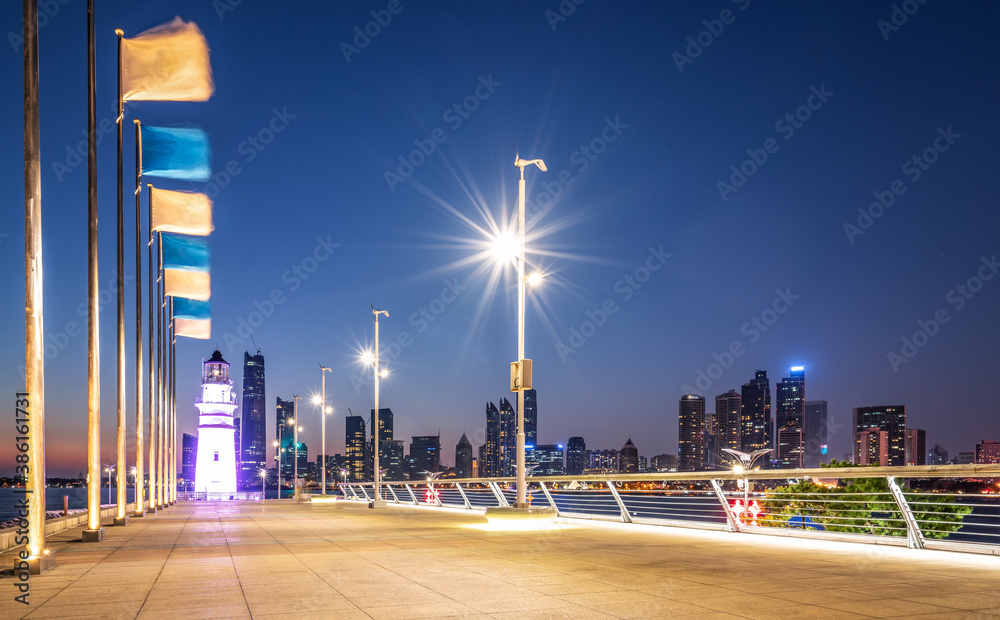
815 424
628 460
189 460
755 413
576 456
425 450
691 433
355 448
253 444
889 418
463 458
915 447
988 452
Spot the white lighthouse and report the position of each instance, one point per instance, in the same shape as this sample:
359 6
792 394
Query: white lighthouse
216 469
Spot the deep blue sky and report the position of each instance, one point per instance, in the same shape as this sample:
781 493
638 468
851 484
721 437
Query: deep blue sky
554 90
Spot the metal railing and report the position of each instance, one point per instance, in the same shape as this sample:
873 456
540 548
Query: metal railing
955 507
244 496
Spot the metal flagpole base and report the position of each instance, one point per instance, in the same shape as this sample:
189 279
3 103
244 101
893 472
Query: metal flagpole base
90 536
38 564
378 504
121 521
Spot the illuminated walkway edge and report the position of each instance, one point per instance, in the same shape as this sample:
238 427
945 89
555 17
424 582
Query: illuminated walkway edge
237 559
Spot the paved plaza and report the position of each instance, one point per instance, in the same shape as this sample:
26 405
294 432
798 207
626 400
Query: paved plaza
279 559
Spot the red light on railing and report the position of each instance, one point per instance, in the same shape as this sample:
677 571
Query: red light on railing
749 512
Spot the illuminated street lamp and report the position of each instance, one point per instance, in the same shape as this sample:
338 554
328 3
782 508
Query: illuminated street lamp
367 357
295 458
263 479
277 458
323 412
108 469
743 465
521 370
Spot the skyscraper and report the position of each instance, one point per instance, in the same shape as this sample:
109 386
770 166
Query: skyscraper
501 439
530 418
790 398
915 448
490 459
391 459
253 445
355 448
891 419
284 410
790 452
755 413
385 425
549 459
576 456
463 458
628 459
691 433
814 432
425 450
508 438
216 469
189 460
728 420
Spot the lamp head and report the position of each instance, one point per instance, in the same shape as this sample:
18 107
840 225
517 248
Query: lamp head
521 163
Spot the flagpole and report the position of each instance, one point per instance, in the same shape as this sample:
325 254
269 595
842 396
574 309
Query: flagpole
152 383
121 518
94 531
140 508
173 407
159 372
31 403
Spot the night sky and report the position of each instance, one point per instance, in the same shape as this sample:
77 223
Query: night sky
706 167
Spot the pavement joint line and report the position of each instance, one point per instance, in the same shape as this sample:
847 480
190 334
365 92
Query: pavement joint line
162 567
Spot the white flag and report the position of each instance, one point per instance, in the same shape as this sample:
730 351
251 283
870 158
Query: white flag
189 213
167 63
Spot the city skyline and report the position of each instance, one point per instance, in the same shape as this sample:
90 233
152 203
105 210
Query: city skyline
854 239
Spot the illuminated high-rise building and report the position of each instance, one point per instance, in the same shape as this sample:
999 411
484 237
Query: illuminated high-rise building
425 450
892 420
189 460
216 469
988 452
253 444
284 411
501 439
355 449
728 422
789 396
691 433
755 414
530 418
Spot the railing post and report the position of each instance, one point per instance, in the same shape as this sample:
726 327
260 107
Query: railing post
914 537
465 499
548 497
732 523
626 517
362 487
501 500
396 499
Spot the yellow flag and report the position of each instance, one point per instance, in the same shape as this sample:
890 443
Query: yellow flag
193 328
189 213
190 284
167 63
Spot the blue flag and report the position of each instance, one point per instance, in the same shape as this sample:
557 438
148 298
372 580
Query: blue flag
175 153
184 253
193 309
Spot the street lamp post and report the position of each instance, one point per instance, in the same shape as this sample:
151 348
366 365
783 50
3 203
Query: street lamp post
295 452
108 469
377 502
324 370
263 479
745 463
523 372
277 458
